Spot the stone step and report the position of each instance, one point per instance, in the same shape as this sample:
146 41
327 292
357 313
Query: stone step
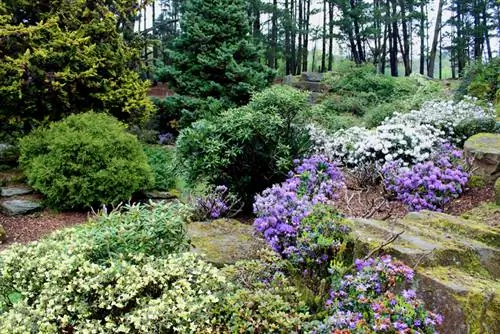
15 191
16 207
452 225
428 247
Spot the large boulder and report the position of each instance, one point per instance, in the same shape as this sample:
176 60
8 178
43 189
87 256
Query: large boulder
457 261
224 241
484 148
311 76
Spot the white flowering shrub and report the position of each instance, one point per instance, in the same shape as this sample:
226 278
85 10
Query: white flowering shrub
359 146
409 137
445 116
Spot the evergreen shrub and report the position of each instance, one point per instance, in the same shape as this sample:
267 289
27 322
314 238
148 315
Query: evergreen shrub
249 148
85 160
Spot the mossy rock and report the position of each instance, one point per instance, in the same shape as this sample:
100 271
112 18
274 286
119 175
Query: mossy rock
476 181
224 241
3 234
469 304
485 149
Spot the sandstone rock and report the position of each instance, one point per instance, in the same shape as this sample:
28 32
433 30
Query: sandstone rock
311 76
15 191
19 207
224 241
156 194
485 149
458 260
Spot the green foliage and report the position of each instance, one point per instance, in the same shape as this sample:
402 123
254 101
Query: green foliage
84 160
60 59
347 79
377 115
469 127
481 81
324 238
179 111
161 161
215 56
263 299
248 148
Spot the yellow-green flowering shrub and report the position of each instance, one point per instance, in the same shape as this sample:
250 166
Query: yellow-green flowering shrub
140 295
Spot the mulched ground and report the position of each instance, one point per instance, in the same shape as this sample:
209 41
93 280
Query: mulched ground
368 203
32 227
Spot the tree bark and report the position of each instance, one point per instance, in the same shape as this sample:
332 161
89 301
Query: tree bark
437 34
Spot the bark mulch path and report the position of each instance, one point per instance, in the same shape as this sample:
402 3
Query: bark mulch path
32 227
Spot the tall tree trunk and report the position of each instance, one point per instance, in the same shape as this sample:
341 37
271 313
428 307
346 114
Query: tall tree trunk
330 35
300 33
437 35
287 40
393 56
422 38
307 7
357 33
406 39
155 47
323 56
271 61
293 37
477 30
440 55
486 30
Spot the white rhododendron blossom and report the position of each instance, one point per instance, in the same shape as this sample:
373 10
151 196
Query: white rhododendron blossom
444 115
410 137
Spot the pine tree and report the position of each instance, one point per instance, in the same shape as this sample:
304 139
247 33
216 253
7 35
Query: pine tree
215 56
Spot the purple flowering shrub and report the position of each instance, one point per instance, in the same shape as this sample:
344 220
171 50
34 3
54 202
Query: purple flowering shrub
216 202
323 236
366 302
428 185
281 208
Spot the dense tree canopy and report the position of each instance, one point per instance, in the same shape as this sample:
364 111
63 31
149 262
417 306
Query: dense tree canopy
215 55
61 57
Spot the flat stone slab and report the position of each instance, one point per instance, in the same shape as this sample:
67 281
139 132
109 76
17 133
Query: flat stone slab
19 207
224 241
15 191
157 194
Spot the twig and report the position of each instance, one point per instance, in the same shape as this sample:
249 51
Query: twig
385 243
391 239
374 209
421 257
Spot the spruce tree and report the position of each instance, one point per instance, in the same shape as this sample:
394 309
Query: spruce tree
215 56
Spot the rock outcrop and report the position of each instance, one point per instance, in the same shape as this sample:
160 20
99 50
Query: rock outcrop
224 241
458 261
484 148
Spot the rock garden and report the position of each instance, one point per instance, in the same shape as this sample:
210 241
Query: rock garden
340 202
